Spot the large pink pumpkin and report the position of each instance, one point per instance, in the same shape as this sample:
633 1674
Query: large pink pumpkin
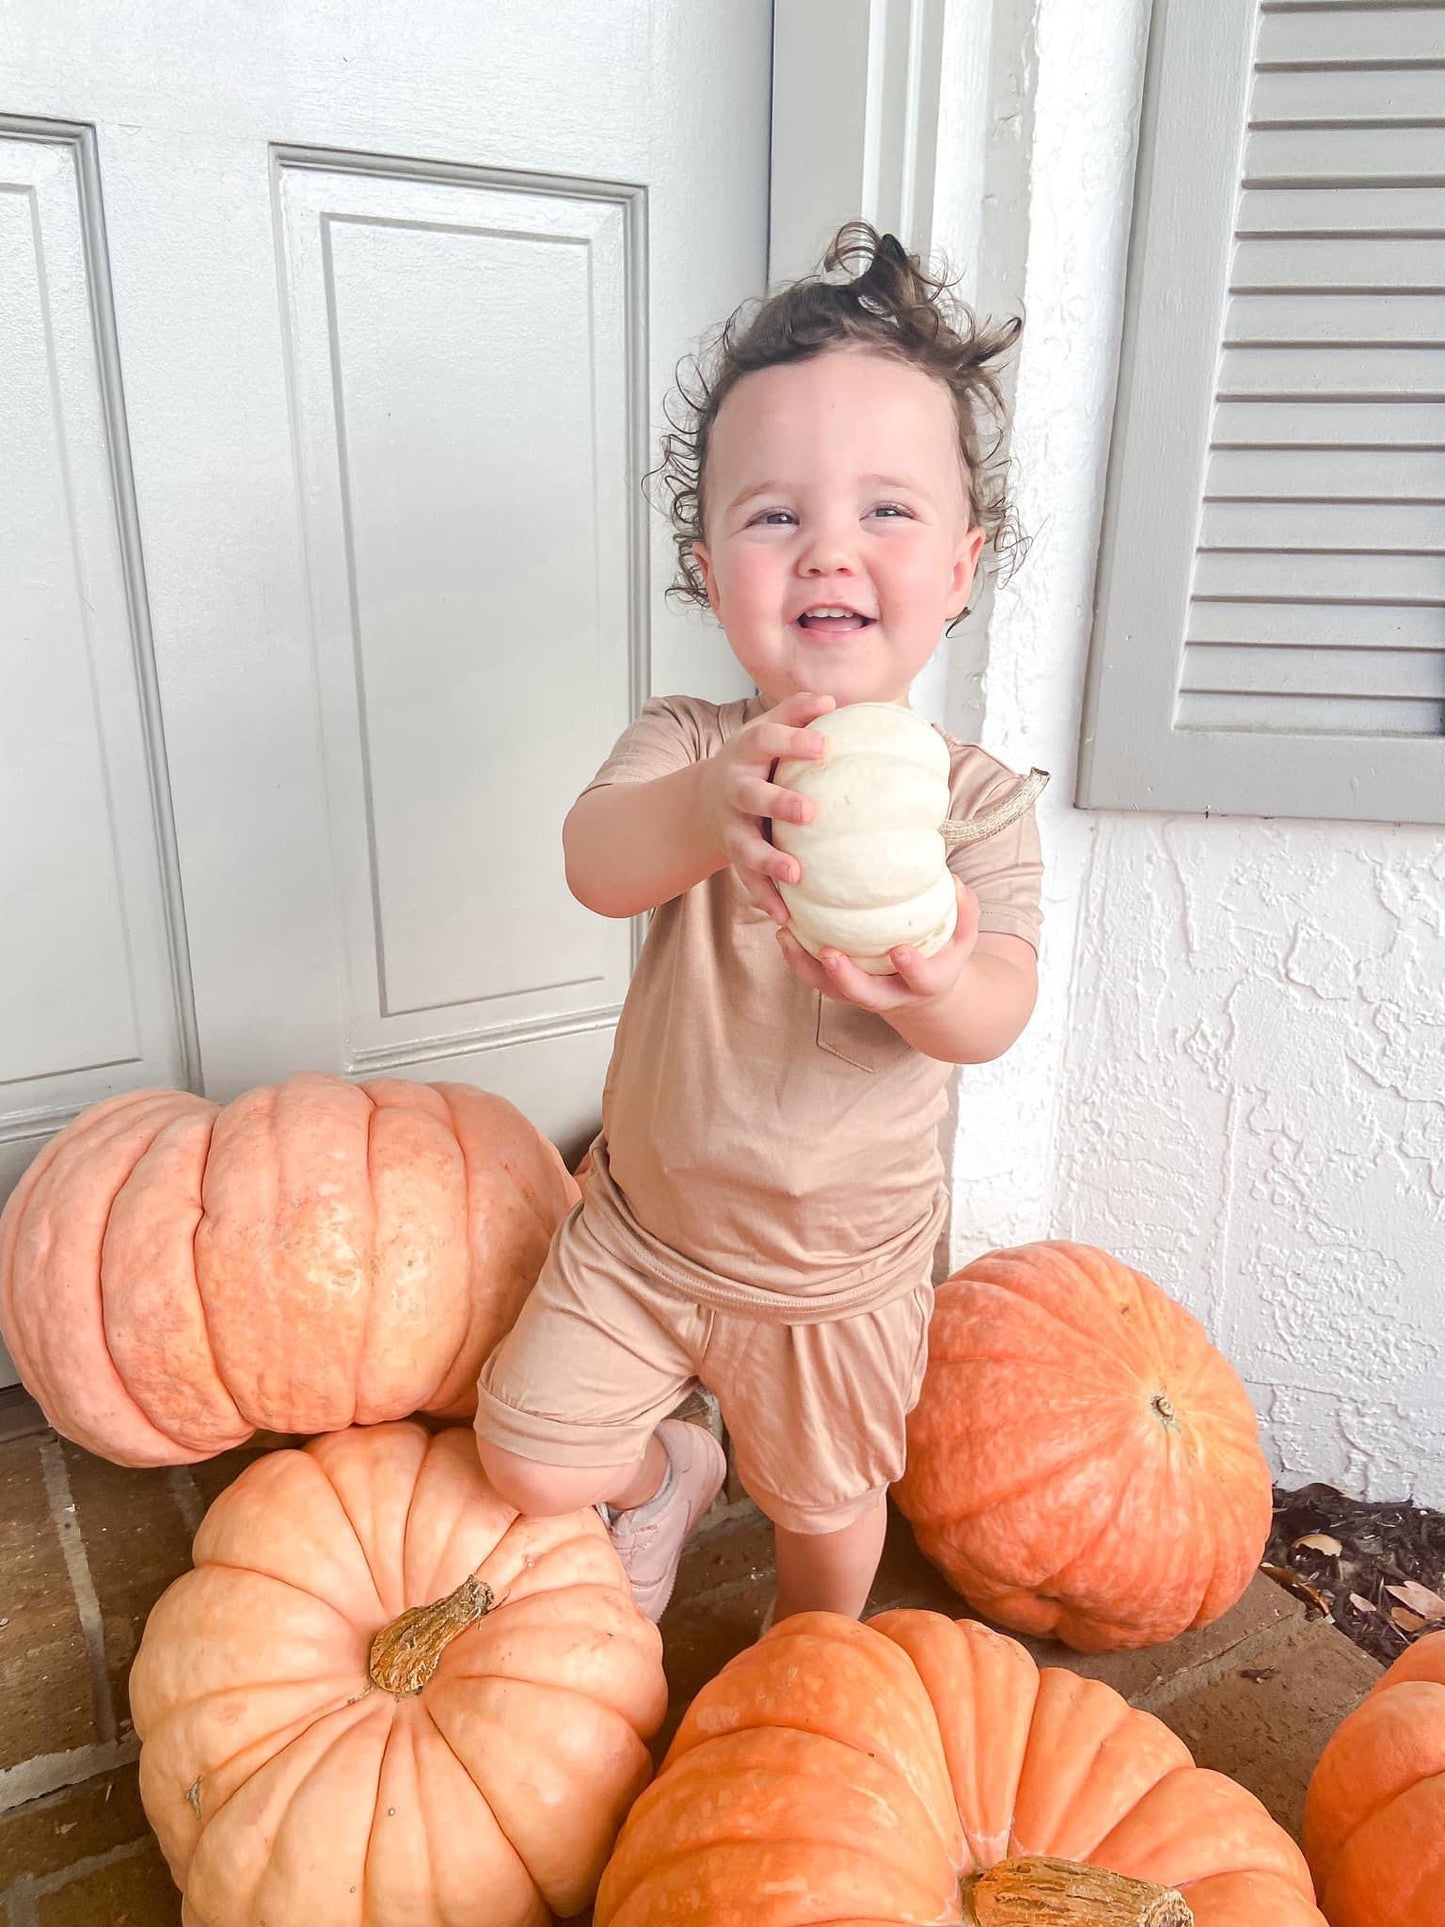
382 1699
175 1274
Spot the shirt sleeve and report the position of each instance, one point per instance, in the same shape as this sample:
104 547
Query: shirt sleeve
1005 872
667 736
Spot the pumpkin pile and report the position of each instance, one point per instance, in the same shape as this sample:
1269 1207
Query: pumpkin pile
175 1274
917 1769
380 1696
1082 1463
1374 1825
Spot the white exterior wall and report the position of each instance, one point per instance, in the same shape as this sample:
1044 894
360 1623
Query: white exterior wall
1236 1075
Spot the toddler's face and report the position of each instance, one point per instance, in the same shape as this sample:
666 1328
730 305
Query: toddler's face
837 539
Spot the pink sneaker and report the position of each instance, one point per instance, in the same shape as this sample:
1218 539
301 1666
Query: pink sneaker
649 1538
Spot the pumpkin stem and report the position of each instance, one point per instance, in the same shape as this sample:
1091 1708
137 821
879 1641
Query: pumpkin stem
1165 1410
974 829
408 1649
1040 1892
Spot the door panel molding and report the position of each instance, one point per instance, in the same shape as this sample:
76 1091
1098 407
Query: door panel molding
95 979
438 482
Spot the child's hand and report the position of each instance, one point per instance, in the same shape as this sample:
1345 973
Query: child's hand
918 980
740 795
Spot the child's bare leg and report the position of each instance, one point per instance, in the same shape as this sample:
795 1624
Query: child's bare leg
540 1490
829 1571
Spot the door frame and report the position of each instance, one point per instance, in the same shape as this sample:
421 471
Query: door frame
880 112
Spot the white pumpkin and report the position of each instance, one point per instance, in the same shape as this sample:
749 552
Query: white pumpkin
875 857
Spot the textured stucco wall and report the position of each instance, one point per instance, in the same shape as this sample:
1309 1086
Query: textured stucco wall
1236 1075
1252 1109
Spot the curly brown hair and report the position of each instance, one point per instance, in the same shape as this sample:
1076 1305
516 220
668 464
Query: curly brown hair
889 304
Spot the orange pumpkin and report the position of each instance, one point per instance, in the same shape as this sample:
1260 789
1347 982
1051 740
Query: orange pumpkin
1374 1826
175 1273
1082 1462
382 1698
919 1769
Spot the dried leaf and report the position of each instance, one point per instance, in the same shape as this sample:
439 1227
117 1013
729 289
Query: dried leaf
1287 1577
1407 1622
1320 1542
1419 1599
1362 1605
1259 1672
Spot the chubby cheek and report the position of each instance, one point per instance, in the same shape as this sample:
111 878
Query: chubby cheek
752 591
917 590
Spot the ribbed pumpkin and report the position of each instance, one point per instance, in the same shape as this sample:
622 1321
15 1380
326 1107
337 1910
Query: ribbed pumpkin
175 1273
1374 1827
381 1699
875 868
875 856
920 1770
1082 1462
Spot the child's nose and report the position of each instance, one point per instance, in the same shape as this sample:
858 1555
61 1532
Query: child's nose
828 552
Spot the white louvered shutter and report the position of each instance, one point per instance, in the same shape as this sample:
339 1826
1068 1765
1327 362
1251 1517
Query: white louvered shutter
1270 624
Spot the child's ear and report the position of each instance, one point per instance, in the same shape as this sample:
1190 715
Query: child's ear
965 567
700 556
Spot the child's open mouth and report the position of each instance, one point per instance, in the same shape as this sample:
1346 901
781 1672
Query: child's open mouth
833 621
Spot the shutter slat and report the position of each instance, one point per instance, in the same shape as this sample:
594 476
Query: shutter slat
1358 261
1267 320
1348 372
1351 156
1347 526
1258 574
1295 715
1318 626
1342 94
1352 37
1347 474
1339 6
1255 671
1329 424
1344 211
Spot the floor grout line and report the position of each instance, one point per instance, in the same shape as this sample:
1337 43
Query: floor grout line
82 1586
21 1898
49 1773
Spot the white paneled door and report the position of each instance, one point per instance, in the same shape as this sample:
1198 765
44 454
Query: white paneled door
332 345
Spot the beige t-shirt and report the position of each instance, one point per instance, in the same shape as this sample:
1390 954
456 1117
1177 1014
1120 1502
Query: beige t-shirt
769 1137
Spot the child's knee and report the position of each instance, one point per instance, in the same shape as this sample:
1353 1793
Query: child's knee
539 1490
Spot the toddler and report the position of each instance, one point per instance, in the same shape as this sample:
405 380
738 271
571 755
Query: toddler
767 1188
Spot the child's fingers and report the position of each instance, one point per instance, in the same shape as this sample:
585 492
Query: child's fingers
804 965
921 975
800 710
772 742
763 896
857 986
783 730
757 797
752 857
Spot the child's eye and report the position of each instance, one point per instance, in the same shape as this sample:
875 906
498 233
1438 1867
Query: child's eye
776 518
891 510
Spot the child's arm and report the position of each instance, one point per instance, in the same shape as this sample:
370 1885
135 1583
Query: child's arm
632 845
985 1012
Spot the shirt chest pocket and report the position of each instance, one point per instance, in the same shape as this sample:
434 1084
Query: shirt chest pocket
859 1037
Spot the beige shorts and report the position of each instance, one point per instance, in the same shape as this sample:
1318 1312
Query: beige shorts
603 1351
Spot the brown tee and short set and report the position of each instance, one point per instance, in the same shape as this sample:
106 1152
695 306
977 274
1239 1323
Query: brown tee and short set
765 1194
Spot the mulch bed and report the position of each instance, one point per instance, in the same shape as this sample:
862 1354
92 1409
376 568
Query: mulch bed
1377 1570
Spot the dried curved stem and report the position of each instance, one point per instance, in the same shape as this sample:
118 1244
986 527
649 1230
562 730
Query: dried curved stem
408 1649
974 829
1038 1891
